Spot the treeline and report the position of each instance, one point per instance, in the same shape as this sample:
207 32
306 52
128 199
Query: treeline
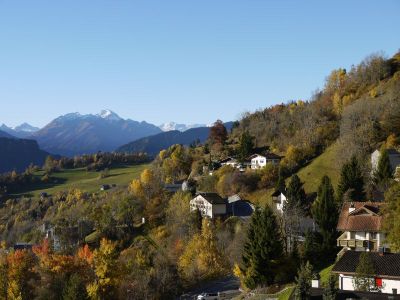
95 162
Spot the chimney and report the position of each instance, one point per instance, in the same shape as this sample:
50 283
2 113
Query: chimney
315 282
351 207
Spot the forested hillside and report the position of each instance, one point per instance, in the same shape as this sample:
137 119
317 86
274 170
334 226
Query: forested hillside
359 108
18 154
146 241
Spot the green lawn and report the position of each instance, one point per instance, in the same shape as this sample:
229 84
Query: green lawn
325 273
325 164
83 180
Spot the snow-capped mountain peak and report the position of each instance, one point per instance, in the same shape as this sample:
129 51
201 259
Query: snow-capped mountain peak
175 126
25 127
109 115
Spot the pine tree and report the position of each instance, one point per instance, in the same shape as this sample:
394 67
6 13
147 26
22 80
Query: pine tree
365 272
325 214
262 250
75 289
246 145
296 196
280 184
351 181
303 282
330 291
384 171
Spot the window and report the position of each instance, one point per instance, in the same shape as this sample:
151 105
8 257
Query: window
394 291
378 282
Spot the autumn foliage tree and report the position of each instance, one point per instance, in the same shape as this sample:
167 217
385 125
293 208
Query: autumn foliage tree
202 257
218 134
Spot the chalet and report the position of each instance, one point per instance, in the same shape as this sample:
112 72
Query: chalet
387 271
234 163
258 161
175 186
210 205
394 158
229 161
361 227
279 199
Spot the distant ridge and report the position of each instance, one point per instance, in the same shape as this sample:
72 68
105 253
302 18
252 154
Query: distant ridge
18 154
152 145
76 134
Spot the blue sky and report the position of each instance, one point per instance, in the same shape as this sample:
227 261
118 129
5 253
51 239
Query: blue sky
185 61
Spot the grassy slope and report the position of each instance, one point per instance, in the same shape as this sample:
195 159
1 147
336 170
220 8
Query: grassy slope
325 273
86 181
325 164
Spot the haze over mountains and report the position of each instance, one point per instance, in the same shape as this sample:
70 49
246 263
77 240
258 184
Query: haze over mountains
152 145
21 131
75 134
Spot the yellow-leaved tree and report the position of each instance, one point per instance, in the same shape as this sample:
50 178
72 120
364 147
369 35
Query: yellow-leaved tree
202 258
107 275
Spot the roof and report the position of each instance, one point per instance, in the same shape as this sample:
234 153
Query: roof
276 193
365 217
225 160
392 152
213 198
268 155
386 265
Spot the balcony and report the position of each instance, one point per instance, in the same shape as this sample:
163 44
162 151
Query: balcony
343 241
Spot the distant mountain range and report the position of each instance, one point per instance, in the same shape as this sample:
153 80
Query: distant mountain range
22 131
75 134
152 145
180 127
18 154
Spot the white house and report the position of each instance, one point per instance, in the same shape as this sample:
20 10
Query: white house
361 227
259 161
230 161
209 204
387 271
279 199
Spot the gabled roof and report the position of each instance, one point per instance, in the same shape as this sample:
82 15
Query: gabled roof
227 159
365 217
212 198
276 193
386 265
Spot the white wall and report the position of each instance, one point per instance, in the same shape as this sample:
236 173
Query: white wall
346 283
206 208
258 162
279 206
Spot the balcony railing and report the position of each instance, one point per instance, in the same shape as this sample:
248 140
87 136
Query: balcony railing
343 241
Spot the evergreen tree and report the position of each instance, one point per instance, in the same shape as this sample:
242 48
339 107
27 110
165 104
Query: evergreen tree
330 291
384 171
280 184
75 289
263 249
303 282
325 214
364 278
246 145
296 196
351 181
311 247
